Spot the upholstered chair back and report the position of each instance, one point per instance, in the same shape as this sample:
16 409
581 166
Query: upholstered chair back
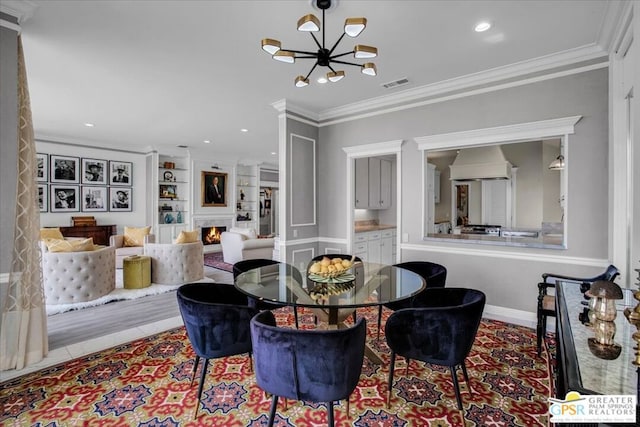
175 263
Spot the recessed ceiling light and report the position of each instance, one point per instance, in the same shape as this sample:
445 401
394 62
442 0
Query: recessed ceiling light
244 130
89 125
482 26
206 141
273 153
322 79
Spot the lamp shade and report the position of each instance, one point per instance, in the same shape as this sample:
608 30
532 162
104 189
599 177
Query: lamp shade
369 69
301 81
335 76
270 46
285 56
354 26
361 51
308 23
557 164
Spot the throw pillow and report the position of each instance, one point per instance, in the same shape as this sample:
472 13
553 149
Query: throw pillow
134 236
60 245
250 233
51 233
187 237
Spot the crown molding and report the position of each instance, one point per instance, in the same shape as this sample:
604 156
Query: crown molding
283 106
616 10
517 70
375 149
19 9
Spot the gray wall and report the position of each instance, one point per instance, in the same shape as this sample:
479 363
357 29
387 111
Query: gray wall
507 277
8 140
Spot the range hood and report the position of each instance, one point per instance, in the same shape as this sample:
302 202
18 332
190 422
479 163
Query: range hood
478 163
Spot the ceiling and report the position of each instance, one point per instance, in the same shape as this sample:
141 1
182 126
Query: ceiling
166 73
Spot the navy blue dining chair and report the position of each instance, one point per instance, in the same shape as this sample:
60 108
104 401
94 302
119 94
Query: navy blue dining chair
435 276
249 264
217 319
311 365
440 332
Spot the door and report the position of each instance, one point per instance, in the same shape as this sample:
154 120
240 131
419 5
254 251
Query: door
362 183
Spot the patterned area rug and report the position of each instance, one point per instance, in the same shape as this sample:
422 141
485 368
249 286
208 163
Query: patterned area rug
214 260
147 383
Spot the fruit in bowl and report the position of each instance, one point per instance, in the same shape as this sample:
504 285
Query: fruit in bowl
330 267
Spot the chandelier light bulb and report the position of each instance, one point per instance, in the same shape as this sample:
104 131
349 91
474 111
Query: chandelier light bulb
335 76
285 56
354 26
322 80
301 81
482 26
361 51
369 69
309 23
270 46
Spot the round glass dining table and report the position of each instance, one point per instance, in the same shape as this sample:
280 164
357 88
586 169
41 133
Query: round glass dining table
333 300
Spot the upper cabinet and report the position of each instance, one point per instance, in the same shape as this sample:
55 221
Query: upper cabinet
372 183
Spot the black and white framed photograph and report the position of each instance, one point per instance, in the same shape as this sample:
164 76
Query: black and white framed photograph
42 167
65 169
120 173
64 198
120 199
94 171
94 199
43 198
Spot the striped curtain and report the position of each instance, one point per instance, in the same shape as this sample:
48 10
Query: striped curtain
23 328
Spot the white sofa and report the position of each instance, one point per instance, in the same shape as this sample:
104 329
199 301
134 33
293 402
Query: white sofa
71 277
175 263
122 251
240 244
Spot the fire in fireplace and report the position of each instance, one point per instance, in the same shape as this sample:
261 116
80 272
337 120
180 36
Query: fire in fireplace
211 235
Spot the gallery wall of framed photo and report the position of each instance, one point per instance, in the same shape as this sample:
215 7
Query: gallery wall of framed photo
83 184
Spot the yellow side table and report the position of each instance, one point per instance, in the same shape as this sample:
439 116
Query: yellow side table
136 272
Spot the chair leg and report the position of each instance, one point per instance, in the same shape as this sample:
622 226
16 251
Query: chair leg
540 331
205 366
330 411
195 369
250 362
295 316
408 363
456 386
392 364
272 412
354 317
348 412
466 376
379 320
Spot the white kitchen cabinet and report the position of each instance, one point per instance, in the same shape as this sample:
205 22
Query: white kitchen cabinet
362 183
375 246
372 183
386 247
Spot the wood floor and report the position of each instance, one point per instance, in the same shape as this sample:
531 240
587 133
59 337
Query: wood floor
81 325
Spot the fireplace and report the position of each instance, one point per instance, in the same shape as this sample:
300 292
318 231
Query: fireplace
211 235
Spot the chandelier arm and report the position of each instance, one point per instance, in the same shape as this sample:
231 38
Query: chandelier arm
336 43
303 52
311 71
307 57
315 39
347 63
323 27
342 54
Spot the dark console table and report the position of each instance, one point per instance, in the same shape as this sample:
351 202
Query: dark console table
579 369
100 233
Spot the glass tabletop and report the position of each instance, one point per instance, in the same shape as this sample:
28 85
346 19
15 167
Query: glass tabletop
367 284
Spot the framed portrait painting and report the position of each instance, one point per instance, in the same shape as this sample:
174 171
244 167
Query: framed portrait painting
94 171
214 189
120 199
42 167
94 199
43 197
120 173
65 169
64 198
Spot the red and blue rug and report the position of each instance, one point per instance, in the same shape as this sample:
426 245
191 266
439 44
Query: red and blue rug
147 383
214 260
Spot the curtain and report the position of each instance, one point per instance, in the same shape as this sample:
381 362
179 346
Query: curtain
23 330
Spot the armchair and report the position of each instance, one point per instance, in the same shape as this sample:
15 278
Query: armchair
175 263
547 302
122 251
238 246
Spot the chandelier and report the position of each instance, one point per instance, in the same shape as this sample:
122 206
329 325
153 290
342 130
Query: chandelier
325 57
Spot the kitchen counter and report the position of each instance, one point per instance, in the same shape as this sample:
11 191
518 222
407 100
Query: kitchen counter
372 227
543 242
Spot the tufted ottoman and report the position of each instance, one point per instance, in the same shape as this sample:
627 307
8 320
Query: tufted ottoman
175 263
136 272
71 277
